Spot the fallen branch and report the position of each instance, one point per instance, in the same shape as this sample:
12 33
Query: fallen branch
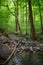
10 56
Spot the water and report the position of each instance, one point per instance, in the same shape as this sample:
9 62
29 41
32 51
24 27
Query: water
15 61
27 58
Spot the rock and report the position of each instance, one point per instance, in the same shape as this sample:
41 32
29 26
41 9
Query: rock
31 49
5 51
14 38
22 47
3 39
1 30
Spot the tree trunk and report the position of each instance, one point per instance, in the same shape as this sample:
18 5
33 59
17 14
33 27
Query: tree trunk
17 17
40 15
26 18
31 20
17 22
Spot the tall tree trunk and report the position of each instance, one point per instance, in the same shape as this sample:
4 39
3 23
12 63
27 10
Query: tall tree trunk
40 15
26 18
31 20
17 17
17 22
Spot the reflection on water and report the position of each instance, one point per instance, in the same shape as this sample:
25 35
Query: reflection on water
15 61
27 58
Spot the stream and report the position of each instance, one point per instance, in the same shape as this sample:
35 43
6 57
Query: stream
27 58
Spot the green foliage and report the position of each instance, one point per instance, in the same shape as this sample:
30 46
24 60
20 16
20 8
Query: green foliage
7 15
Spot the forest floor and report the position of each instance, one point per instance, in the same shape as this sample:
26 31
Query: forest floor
18 43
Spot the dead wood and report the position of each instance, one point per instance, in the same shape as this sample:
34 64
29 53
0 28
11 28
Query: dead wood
13 52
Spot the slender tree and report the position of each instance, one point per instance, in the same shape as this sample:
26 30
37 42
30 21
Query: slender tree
26 18
16 17
40 15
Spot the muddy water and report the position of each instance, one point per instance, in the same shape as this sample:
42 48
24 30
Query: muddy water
27 58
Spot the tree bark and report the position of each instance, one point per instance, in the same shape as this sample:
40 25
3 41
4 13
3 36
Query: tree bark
40 15
17 22
31 21
26 18
16 17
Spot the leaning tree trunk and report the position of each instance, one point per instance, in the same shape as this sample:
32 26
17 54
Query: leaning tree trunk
31 20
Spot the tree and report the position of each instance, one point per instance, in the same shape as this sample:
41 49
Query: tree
31 20
40 14
26 18
4 16
16 17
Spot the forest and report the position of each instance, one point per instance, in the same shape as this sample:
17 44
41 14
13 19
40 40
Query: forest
21 32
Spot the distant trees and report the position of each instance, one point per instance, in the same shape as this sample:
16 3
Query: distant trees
20 9
16 16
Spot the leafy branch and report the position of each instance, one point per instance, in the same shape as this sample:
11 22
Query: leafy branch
10 10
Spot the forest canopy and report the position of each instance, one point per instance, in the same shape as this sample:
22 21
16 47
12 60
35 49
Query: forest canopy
15 15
